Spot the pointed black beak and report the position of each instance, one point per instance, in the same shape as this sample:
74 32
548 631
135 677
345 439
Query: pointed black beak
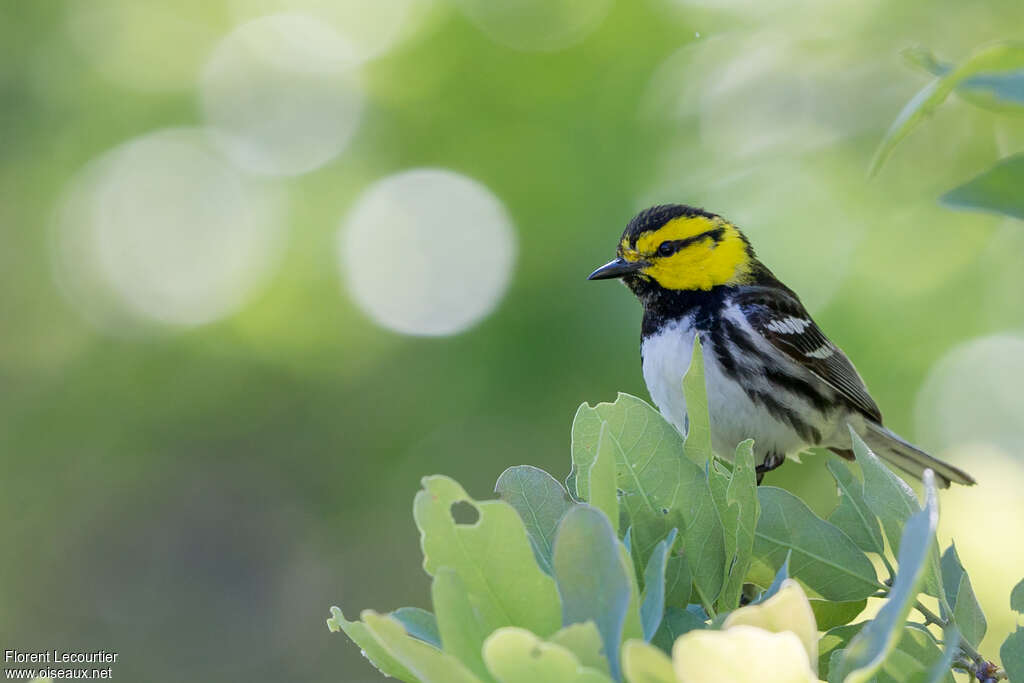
620 267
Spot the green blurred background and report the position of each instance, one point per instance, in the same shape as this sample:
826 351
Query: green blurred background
234 337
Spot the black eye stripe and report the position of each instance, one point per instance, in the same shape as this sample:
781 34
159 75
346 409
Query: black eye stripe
674 246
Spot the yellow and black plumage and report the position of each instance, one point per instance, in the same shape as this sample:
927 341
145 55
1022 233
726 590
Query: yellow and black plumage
771 373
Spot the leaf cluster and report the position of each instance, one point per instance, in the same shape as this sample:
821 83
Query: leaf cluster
656 547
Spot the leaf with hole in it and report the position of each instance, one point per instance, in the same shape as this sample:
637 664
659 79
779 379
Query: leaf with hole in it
515 655
419 623
652 608
1000 58
428 664
1001 92
675 623
698 422
996 190
593 581
492 557
660 489
540 501
584 641
821 556
852 514
359 634
967 614
894 502
830 614
458 625
868 651
643 663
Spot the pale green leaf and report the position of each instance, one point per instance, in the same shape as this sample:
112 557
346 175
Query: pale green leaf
462 635
834 640
586 436
515 655
893 502
852 514
492 557
967 614
584 641
678 580
633 627
996 190
1001 92
822 557
1017 598
1012 655
698 422
540 501
829 614
741 496
359 634
868 651
601 479
675 623
643 663
426 663
999 58
652 607
592 577
419 623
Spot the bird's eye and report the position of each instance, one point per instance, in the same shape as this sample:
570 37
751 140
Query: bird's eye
666 249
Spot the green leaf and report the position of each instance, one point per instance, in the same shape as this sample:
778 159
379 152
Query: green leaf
870 648
652 608
894 502
586 437
584 641
1012 655
359 634
660 489
540 501
1017 598
780 577
830 614
633 627
514 655
492 557
461 633
593 581
426 663
741 496
643 663
419 623
834 640
675 623
601 486
940 670
996 190
967 614
994 59
698 422
823 557
678 580
1001 92
852 514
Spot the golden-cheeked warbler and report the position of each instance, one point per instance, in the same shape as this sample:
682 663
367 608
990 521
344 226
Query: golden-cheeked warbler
771 373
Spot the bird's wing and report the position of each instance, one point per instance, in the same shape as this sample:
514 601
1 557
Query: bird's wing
778 315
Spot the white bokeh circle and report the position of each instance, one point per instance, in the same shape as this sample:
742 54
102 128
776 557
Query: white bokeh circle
973 396
427 252
161 229
279 94
536 25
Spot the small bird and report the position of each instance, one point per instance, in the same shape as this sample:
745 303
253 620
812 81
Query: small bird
771 373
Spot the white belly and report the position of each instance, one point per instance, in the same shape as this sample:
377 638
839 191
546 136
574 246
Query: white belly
734 416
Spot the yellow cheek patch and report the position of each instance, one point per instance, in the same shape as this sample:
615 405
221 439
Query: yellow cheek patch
704 264
676 229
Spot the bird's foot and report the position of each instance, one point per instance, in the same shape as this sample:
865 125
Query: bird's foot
771 461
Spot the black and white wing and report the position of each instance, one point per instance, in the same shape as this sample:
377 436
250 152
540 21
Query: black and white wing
778 315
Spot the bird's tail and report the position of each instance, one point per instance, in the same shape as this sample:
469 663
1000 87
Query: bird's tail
890 447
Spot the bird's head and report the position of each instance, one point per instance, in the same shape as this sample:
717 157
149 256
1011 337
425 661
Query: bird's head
679 248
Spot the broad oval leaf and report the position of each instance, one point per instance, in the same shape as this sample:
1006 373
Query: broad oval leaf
967 614
492 557
869 649
515 655
540 501
1012 655
996 190
592 579
852 514
830 614
822 557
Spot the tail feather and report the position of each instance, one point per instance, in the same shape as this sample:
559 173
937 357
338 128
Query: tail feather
890 447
